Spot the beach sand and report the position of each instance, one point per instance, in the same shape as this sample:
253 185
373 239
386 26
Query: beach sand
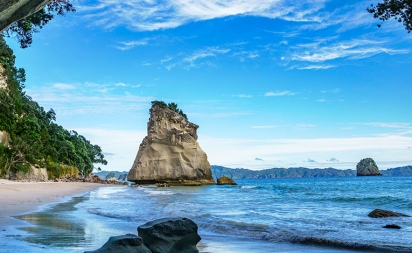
22 197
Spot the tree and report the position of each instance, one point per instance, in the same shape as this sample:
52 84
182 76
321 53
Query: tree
24 28
400 10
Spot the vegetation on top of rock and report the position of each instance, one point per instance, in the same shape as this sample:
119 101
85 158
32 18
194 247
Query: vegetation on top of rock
35 138
171 106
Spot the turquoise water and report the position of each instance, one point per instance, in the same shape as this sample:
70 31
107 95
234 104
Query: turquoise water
258 215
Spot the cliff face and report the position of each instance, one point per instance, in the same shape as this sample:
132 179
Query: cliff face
170 152
14 10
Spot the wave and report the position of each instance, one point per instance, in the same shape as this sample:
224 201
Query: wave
266 233
349 245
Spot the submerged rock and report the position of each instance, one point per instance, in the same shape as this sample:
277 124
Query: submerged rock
123 244
171 235
170 152
393 226
225 181
379 213
367 167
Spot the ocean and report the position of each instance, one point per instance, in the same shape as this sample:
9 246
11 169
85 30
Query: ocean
258 215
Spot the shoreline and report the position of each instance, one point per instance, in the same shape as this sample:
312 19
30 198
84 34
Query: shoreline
23 197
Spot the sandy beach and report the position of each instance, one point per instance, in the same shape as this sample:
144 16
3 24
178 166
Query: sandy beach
22 197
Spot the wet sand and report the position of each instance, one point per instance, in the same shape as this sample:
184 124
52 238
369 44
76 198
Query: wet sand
21 197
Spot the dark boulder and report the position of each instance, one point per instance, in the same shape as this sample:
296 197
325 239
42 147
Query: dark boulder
379 213
367 167
170 235
123 244
393 226
225 181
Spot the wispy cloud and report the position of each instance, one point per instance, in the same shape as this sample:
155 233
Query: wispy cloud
63 86
127 45
336 90
242 96
156 14
204 53
313 67
280 93
353 49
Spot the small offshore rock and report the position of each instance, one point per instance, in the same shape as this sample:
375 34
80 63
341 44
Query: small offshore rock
128 243
367 167
393 226
379 213
225 181
171 235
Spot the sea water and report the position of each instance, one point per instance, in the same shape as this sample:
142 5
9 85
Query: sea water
257 215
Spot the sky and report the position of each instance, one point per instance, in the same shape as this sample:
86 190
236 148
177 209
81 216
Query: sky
271 83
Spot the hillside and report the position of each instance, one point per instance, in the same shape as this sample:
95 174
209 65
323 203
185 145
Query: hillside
219 171
29 135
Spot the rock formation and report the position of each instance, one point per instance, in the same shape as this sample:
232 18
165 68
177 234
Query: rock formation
34 174
170 152
172 235
379 213
14 10
367 167
225 181
123 244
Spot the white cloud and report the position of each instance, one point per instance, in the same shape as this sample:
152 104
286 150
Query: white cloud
280 93
121 84
353 49
242 96
63 86
314 67
336 90
204 53
152 15
127 45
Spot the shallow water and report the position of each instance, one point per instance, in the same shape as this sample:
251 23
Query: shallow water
259 215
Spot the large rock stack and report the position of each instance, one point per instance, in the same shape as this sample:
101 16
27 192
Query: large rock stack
367 167
170 152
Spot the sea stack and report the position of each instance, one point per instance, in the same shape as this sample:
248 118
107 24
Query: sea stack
367 167
170 152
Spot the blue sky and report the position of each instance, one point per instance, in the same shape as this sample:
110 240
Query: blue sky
271 83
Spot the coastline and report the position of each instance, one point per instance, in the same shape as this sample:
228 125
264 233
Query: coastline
22 197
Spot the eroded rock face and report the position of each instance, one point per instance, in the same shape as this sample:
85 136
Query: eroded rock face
34 174
172 235
367 167
170 152
14 10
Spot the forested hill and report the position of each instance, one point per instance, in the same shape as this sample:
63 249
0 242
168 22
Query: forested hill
218 171
29 134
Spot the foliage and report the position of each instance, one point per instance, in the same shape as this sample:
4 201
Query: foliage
171 106
24 28
34 136
400 10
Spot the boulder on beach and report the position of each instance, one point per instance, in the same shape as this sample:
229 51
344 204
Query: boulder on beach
367 167
170 152
123 244
379 213
225 181
171 235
